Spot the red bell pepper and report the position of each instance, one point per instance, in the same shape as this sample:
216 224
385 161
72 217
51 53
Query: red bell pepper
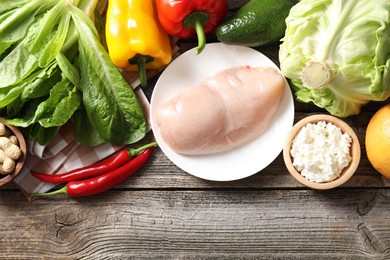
185 18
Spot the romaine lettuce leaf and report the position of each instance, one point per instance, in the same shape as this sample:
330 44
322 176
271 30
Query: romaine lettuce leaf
109 101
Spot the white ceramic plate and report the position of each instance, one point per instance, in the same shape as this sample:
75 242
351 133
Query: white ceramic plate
240 162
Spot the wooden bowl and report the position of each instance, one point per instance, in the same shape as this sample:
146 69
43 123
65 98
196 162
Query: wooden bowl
346 173
20 163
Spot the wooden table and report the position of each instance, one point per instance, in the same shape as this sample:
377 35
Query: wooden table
165 213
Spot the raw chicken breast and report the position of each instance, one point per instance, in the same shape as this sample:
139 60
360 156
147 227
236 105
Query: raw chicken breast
226 110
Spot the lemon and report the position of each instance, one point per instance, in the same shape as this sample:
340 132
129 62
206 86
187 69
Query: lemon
378 141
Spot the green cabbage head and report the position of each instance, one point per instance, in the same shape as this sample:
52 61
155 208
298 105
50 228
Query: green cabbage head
336 53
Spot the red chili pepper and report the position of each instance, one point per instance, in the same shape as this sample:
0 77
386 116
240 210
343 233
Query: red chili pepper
122 157
184 18
104 182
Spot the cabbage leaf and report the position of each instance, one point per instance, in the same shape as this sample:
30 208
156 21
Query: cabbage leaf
336 54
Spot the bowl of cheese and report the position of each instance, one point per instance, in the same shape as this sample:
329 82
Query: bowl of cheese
322 152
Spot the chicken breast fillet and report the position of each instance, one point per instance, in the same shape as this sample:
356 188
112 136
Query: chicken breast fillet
223 111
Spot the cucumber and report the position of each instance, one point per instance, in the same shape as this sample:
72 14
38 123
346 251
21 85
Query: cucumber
257 23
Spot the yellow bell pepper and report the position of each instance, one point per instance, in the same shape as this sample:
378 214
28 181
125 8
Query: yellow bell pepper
135 39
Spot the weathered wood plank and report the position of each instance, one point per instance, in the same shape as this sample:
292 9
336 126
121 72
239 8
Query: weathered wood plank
165 213
229 224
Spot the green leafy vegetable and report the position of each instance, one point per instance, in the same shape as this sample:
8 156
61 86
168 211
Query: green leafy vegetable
63 101
8 95
337 53
40 83
55 69
16 17
118 117
44 135
70 71
85 132
56 110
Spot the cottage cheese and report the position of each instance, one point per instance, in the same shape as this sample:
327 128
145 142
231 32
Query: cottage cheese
321 151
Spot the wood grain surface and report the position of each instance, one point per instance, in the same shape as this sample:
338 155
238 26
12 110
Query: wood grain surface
165 213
